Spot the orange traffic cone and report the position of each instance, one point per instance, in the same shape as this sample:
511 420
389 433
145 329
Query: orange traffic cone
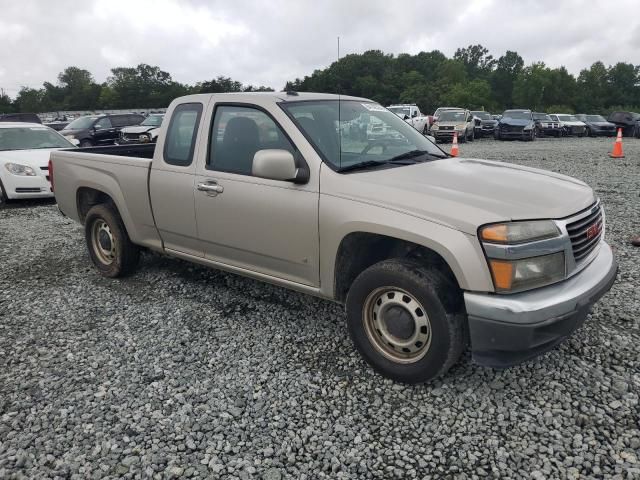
454 146
617 146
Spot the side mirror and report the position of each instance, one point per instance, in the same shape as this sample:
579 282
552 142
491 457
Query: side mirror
414 114
97 127
276 164
405 117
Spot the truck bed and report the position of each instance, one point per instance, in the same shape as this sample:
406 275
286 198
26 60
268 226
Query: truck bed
142 150
119 172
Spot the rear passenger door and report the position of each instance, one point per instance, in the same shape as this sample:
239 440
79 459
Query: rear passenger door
103 131
171 182
256 224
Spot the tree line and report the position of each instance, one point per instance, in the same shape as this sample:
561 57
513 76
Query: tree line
472 78
144 86
475 79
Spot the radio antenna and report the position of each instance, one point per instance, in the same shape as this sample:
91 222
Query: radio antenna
339 102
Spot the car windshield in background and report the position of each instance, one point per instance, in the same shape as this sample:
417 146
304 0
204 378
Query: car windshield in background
152 121
595 118
517 115
452 116
483 115
81 123
30 138
566 118
350 133
400 111
541 116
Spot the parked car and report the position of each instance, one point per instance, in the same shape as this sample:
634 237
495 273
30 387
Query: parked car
454 121
597 125
24 159
411 114
426 251
94 130
146 132
545 125
485 124
20 117
571 126
516 124
629 122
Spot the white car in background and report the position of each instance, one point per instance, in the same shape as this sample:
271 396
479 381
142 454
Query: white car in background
24 159
570 124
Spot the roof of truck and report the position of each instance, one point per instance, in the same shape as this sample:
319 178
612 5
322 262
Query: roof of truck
277 96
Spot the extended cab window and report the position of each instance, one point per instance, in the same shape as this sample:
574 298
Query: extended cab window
237 133
181 134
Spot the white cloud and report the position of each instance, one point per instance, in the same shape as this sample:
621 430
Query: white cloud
269 43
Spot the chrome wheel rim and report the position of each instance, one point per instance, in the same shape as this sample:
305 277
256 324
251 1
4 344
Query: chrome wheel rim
104 245
397 325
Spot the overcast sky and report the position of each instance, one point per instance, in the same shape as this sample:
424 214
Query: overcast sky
267 43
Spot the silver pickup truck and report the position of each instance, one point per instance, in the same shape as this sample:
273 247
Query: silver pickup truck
430 254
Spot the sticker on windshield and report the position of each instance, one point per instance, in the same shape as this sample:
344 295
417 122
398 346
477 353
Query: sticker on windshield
374 107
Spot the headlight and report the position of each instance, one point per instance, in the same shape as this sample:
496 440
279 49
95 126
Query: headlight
515 262
529 127
22 170
527 273
144 137
434 127
518 232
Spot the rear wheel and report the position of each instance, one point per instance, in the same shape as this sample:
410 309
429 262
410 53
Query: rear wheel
402 318
110 248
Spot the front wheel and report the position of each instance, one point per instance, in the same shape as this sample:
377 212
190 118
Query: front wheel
110 248
405 320
472 136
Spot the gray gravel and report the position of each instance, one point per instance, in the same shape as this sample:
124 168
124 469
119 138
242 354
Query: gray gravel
180 371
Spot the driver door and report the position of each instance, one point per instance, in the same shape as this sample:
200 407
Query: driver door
103 131
256 224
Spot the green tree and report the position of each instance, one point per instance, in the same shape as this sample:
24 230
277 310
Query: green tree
507 70
29 100
476 60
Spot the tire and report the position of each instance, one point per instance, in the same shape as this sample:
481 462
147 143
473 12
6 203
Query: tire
435 327
462 139
86 144
587 132
472 137
496 135
110 248
3 195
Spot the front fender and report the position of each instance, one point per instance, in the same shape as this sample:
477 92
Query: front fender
340 217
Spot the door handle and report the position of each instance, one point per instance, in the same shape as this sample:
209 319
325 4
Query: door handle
211 188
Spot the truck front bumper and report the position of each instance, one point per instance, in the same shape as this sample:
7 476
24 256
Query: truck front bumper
509 329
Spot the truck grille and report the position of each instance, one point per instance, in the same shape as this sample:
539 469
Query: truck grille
585 234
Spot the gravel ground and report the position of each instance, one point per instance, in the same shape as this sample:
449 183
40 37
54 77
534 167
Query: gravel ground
184 371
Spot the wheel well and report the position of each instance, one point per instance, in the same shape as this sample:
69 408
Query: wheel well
359 250
88 197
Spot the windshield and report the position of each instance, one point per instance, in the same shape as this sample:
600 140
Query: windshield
360 132
483 115
402 111
566 118
452 116
595 118
517 115
153 121
541 116
81 123
28 138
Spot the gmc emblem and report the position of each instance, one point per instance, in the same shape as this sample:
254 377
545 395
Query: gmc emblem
594 230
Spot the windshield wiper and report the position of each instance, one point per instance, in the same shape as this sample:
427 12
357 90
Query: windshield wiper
407 158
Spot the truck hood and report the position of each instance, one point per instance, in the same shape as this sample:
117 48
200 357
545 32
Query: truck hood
139 129
466 193
601 124
35 159
572 123
516 122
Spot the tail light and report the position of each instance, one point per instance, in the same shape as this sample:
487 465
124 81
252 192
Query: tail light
51 173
